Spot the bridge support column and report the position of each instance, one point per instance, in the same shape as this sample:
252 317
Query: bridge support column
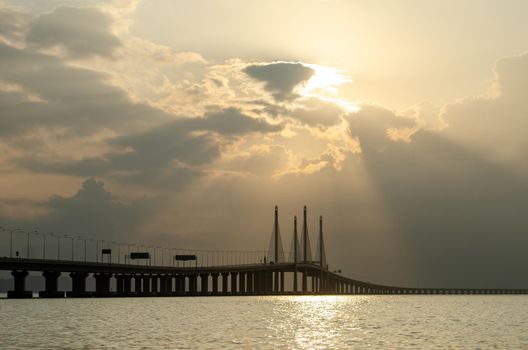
78 285
256 282
102 284
170 284
19 291
163 285
276 287
51 279
242 283
214 277
269 282
234 277
146 285
193 284
304 284
127 285
137 285
119 284
180 284
224 282
249 283
281 278
166 285
154 280
204 279
313 284
295 288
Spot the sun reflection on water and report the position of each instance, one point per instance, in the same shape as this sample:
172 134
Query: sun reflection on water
315 322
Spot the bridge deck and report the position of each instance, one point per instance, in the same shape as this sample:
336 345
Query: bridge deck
323 281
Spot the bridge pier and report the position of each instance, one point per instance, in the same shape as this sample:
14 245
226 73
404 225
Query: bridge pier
281 278
119 284
127 285
146 285
242 283
295 288
78 285
19 292
137 284
102 284
163 285
225 275
269 282
154 280
51 285
249 285
166 285
257 282
193 284
234 276
204 279
304 284
180 285
214 277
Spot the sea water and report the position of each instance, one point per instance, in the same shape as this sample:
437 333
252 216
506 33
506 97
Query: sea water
267 322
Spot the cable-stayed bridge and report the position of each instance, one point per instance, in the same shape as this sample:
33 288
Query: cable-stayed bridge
130 270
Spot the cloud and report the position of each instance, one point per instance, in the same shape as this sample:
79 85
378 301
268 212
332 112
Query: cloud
458 215
77 99
82 32
169 155
12 24
91 212
377 128
494 127
315 112
280 78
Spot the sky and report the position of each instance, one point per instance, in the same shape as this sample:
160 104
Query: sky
183 123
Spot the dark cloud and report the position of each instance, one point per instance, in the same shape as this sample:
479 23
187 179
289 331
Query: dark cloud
12 24
77 99
316 112
460 217
372 126
280 78
232 122
154 157
91 212
495 127
81 31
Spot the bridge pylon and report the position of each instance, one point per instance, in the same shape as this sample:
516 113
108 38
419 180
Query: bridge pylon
306 250
276 250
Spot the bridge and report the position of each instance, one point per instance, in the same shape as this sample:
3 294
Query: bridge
210 273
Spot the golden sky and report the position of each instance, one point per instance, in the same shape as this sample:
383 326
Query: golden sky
185 122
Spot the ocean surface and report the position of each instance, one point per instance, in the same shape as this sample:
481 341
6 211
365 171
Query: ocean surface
276 322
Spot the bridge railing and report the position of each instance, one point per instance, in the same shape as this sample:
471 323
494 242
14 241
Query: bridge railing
33 244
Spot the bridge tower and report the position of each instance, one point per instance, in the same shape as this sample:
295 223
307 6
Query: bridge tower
321 254
306 252
320 257
276 250
295 253
305 240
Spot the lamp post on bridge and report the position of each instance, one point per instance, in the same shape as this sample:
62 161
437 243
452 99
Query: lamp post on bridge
83 239
72 243
27 247
11 238
58 245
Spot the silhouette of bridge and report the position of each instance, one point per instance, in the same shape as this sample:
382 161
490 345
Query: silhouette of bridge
209 273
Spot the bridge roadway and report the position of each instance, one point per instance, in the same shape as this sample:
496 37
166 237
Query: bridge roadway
247 279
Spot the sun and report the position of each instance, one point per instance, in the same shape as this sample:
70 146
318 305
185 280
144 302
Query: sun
324 85
325 80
